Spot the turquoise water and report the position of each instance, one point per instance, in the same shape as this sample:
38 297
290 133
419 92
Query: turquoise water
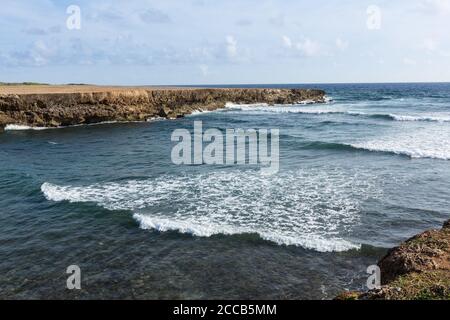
357 175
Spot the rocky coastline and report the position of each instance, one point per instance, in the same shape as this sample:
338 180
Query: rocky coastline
418 269
49 106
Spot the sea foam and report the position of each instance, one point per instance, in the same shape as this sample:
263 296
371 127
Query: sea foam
312 242
336 110
436 118
19 127
314 209
295 108
431 143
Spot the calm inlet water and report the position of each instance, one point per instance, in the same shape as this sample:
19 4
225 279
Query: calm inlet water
357 175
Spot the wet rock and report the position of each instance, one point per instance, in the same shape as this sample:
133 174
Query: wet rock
429 250
417 269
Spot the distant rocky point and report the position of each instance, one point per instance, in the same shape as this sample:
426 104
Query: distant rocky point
55 106
22 84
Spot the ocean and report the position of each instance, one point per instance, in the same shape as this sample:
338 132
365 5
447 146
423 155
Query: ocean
357 175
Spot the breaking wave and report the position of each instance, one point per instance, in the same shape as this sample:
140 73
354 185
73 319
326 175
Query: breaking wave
395 117
265 108
412 148
313 242
420 118
314 209
18 127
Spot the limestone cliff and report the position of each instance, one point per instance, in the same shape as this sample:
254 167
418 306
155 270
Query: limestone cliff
53 108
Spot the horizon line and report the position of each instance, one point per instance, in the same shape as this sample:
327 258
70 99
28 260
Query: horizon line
31 83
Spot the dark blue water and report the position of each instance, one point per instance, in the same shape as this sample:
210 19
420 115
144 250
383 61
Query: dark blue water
357 175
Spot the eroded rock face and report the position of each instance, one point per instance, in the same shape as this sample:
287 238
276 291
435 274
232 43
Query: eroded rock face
4 119
419 268
63 109
429 250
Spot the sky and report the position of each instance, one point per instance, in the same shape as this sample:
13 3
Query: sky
194 42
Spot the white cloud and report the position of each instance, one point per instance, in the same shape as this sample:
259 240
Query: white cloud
438 6
204 69
287 41
154 16
409 61
231 47
433 47
308 47
278 20
430 45
341 44
39 54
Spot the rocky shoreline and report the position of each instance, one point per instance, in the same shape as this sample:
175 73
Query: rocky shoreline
418 269
49 106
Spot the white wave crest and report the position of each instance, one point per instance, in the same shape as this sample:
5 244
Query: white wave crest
155 119
312 208
201 111
420 118
312 242
304 108
19 127
238 106
424 143
297 108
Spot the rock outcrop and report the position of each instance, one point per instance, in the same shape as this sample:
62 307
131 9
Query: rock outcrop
417 269
53 109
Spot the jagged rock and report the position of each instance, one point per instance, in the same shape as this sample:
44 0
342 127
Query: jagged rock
429 250
417 269
4 120
446 225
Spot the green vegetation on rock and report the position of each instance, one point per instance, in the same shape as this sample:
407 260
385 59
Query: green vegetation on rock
418 269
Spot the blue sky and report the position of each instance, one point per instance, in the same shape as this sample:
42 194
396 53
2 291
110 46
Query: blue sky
139 42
